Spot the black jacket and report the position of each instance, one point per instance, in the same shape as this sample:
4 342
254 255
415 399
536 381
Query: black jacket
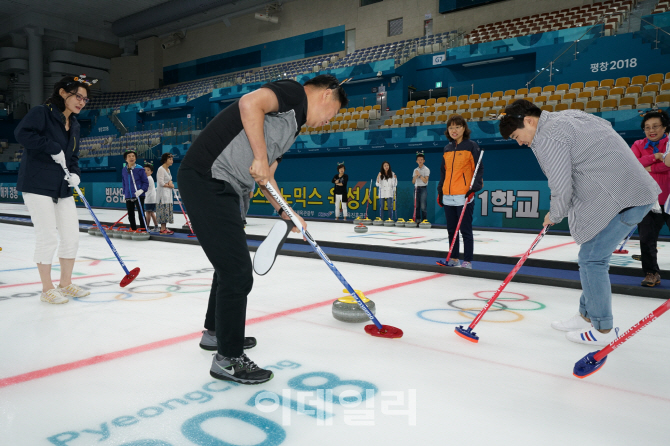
42 133
341 190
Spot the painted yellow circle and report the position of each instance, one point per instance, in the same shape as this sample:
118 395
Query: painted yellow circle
519 316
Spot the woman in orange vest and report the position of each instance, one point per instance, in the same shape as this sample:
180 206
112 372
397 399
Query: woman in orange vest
458 165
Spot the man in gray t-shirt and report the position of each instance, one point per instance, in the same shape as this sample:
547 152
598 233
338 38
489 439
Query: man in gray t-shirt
420 180
242 145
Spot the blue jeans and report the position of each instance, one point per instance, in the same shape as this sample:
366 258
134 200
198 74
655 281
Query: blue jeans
422 203
389 205
594 256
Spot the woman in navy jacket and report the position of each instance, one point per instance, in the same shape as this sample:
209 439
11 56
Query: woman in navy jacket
50 135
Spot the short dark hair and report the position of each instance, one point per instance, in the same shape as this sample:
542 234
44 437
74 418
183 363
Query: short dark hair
128 152
514 116
341 165
420 154
457 120
68 84
660 114
150 166
165 157
330 82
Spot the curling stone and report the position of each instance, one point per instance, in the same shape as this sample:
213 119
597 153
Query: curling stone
361 229
92 229
425 224
139 235
346 308
389 222
118 232
366 221
127 234
400 223
357 221
378 222
410 223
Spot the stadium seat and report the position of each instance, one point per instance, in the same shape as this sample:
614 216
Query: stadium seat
400 112
387 123
452 108
554 99
419 120
656 78
592 107
441 101
534 91
484 96
442 119
430 102
576 87
562 88
650 90
577 106
633 92
487 105
539 101
609 105
622 82
615 93
451 99
607 83
463 107
569 98
466 115
477 115
549 89
561 107
590 86
421 102
430 120
397 122
627 103
583 98
509 94
549 108
663 100
411 104
645 101
640 80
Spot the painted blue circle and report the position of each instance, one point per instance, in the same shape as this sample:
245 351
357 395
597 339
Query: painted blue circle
467 322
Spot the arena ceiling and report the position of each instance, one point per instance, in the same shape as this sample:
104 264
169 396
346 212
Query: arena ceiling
94 19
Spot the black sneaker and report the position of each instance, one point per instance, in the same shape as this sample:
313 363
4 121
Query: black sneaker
208 342
241 370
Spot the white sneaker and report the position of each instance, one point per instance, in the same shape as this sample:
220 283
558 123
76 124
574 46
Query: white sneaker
593 337
53 296
575 323
73 290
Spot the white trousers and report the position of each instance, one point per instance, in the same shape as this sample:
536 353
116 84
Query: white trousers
52 220
338 201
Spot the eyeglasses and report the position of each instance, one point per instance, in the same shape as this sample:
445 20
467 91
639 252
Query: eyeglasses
653 129
455 127
81 98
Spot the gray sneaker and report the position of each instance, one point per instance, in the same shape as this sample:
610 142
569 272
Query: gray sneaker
454 262
241 370
208 342
467 265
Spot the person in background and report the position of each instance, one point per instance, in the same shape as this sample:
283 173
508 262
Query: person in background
386 182
460 157
420 181
164 198
598 184
650 151
340 180
134 184
50 135
150 200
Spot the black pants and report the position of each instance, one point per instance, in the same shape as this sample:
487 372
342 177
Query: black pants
214 209
453 213
131 205
649 228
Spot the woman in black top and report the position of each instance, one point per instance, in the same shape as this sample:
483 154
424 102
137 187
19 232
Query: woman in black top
340 181
50 135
